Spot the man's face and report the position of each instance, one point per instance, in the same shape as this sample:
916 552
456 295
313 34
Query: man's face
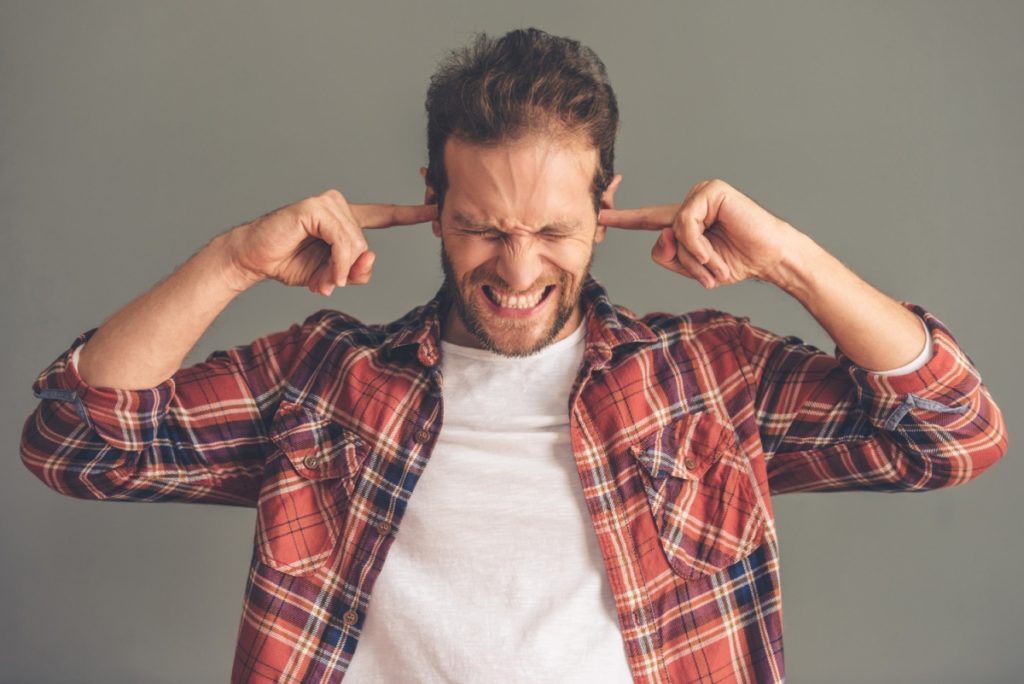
517 234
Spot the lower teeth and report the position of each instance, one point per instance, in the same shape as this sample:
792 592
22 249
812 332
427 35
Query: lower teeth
490 295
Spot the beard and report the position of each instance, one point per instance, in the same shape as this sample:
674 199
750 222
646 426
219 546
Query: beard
459 294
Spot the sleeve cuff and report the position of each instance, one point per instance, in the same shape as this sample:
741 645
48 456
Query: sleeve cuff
127 419
73 359
945 383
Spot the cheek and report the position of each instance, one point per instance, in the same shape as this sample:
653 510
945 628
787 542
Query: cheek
568 255
468 255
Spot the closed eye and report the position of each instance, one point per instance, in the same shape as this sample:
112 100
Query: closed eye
498 235
487 234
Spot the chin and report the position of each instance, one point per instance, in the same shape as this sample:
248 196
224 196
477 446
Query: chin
511 337
514 344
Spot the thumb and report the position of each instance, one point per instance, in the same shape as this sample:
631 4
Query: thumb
362 268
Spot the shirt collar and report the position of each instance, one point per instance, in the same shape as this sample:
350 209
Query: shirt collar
609 326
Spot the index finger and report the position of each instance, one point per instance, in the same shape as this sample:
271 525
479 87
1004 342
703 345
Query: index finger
386 215
644 218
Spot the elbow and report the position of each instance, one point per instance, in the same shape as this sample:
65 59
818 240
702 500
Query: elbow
981 443
951 448
43 462
68 457
992 440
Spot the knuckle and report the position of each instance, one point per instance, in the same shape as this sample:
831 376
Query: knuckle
355 242
343 250
358 240
311 205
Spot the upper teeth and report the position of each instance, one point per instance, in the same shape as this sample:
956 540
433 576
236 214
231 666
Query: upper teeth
517 301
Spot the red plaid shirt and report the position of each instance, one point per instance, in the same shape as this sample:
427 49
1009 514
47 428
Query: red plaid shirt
682 428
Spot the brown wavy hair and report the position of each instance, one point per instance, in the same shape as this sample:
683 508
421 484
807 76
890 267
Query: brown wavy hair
497 90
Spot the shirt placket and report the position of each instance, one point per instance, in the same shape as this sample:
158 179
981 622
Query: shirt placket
423 427
634 608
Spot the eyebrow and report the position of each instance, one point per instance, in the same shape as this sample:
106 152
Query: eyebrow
465 221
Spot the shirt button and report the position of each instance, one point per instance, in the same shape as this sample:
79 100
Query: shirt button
312 461
690 463
383 529
350 617
422 436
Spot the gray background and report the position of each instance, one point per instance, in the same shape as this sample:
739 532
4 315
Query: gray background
131 134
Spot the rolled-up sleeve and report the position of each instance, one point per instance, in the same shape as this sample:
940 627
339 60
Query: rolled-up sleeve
125 419
200 436
827 424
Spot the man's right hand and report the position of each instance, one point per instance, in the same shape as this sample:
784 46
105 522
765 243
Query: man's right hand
317 242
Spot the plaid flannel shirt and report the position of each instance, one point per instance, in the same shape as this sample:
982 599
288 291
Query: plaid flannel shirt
682 427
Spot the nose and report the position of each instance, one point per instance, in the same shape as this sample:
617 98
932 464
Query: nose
519 265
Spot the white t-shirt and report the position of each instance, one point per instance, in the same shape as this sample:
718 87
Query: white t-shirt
495 573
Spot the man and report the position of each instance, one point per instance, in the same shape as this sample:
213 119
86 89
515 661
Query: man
597 501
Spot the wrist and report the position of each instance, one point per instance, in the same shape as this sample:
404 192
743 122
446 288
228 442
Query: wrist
801 260
222 248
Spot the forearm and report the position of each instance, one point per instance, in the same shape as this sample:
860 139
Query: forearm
873 329
145 342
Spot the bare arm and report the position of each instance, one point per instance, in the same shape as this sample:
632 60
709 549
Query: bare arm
317 242
145 342
721 236
873 329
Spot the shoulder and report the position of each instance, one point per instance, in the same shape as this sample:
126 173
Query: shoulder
333 326
703 324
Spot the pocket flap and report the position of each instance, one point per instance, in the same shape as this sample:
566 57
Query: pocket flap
317 447
687 447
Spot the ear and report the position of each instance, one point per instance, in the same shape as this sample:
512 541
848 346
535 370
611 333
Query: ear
607 202
430 197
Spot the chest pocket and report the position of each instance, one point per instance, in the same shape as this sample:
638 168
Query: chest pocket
698 485
308 483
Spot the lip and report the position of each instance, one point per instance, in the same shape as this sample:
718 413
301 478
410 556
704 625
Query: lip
506 312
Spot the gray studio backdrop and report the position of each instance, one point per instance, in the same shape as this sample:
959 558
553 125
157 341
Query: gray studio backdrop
131 134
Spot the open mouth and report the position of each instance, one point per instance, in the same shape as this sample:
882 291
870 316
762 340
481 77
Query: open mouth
518 303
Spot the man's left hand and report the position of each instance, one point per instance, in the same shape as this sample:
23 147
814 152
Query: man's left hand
717 236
